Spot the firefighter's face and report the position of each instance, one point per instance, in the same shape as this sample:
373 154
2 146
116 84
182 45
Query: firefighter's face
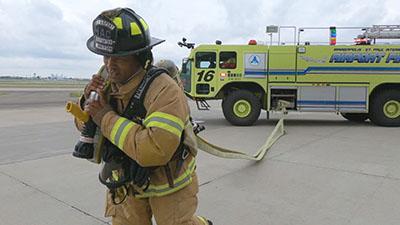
121 68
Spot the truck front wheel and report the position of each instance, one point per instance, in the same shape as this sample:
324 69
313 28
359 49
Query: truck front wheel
241 108
385 108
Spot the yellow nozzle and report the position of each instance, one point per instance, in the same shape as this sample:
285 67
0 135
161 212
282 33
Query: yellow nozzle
74 108
76 111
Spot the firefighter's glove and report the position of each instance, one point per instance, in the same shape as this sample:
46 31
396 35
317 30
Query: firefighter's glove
98 108
140 175
83 150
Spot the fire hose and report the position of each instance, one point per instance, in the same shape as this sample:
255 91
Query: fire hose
221 152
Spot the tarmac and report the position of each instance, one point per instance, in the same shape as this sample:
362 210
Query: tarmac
324 171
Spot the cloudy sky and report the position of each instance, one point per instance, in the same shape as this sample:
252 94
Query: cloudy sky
49 36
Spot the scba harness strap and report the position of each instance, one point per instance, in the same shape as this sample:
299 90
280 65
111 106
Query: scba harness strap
136 111
132 172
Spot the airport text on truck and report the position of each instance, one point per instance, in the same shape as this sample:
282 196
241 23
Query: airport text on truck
360 80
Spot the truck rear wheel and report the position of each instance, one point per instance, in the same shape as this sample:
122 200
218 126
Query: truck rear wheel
241 108
355 117
385 108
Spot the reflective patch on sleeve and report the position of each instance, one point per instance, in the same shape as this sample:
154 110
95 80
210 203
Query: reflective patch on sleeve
165 121
120 130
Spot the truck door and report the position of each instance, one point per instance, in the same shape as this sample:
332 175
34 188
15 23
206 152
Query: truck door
204 73
282 64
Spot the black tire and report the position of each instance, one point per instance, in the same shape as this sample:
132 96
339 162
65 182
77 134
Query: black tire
383 100
241 99
356 117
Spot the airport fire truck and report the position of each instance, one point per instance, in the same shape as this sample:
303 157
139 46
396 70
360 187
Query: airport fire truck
360 80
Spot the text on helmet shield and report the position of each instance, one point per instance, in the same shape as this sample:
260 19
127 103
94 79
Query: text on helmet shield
103 40
104 47
104 23
104 35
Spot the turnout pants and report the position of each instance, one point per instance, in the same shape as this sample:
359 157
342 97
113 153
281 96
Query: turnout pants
177 208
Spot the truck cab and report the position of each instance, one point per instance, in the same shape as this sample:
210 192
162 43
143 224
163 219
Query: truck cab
360 80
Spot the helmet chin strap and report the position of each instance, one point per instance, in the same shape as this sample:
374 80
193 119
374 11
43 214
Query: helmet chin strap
133 75
146 67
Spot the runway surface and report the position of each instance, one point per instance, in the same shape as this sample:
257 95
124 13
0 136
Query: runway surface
325 170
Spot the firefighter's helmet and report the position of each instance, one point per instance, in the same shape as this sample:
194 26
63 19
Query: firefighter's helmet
120 32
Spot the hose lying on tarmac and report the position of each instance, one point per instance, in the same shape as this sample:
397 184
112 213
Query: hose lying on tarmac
221 152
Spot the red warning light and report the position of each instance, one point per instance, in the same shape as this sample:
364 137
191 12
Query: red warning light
252 42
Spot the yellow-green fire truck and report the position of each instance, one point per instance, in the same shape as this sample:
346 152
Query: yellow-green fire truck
360 80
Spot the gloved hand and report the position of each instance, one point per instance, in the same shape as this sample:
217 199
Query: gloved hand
83 150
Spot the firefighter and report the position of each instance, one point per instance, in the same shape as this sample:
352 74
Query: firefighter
155 176
172 69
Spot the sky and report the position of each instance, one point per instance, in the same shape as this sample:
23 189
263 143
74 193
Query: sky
45 37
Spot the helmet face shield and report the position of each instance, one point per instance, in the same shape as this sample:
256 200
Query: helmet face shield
120 32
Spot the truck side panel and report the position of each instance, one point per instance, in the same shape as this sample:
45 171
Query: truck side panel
282 64
348 64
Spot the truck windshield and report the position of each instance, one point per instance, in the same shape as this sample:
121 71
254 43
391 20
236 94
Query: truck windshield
186 75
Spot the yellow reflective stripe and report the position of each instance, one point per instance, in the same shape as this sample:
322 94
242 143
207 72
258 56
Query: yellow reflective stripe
179 183
135 30
165 121
165 126
115 128
167 116
124 133
144 24
120 131
118 22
